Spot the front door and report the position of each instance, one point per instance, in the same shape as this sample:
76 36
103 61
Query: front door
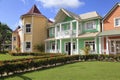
69 48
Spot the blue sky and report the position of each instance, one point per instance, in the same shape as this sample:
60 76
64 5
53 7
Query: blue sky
11 10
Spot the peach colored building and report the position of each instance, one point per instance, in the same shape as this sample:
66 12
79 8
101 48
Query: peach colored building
110 35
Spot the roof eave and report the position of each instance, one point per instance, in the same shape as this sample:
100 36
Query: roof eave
115 6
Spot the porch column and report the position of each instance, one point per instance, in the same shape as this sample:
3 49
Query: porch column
100 45
95 44
60 46
71 35
71 46
60 31
77 24
55 46
107 46
55 31
77 46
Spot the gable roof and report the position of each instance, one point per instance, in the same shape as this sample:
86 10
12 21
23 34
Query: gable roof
114 7
89 15
63 12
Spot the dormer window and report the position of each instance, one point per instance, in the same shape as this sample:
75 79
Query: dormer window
28 28
90 25
117 22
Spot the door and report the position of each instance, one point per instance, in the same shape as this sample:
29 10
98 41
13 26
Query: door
69 48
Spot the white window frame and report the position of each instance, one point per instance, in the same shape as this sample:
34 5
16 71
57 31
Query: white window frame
94 25
26 28
90 41
115 22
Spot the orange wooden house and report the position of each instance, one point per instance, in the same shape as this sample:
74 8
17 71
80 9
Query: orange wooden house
110 35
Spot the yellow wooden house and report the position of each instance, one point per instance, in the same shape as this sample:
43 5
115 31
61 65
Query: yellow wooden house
32 32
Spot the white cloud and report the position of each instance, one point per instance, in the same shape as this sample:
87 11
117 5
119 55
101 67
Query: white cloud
61 3
52 19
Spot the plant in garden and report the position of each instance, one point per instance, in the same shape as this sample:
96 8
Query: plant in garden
40 47
86 50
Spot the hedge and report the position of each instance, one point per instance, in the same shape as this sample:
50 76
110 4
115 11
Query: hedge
35 54
19 65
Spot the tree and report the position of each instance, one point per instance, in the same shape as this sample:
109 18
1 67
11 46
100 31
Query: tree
5 35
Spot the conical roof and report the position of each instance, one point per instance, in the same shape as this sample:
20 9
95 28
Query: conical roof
33 11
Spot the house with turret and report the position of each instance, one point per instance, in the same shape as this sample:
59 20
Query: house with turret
32 32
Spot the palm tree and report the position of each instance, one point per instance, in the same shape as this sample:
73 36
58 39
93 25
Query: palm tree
5 35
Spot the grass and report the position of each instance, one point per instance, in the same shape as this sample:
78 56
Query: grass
76 71
9 57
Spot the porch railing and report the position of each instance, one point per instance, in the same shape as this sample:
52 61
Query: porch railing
66 34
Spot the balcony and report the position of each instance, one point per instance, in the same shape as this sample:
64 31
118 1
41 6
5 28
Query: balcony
66 34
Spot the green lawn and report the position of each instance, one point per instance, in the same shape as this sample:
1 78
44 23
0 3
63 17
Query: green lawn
9 57
76 71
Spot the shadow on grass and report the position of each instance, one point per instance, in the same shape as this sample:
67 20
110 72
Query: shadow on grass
17 75
20 75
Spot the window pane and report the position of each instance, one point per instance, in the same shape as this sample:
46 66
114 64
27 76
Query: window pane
117 22
90 25
28 44
74 47
66 47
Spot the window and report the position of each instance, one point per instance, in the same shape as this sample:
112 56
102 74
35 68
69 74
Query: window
28 45
66 26
66 47
28 28
14 38
90 25
117 22
90 44
74 46
53 45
